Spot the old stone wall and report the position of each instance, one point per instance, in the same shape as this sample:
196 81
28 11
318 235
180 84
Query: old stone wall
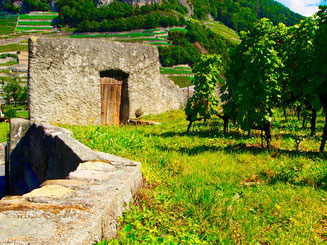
64 79
81 198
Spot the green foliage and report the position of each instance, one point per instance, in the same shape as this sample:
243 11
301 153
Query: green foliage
207 75
10 113
183 51
37 5
252 90
117 16
210 188
241 14
14 93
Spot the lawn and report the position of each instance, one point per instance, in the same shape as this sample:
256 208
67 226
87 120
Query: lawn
182 81
211 188
4 132
179 70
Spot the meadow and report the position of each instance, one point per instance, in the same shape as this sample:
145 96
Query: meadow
182 81
209 188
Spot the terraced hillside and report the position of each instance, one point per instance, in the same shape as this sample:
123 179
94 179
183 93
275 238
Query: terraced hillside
7 23
13 65
36 22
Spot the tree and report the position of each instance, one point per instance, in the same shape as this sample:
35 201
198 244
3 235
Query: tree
203 104
252 90
14 93
318 86
299 60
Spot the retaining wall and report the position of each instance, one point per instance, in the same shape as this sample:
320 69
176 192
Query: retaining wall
81 195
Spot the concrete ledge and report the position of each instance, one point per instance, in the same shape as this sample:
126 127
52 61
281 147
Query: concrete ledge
79 209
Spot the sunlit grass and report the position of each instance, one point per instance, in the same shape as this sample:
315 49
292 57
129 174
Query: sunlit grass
4 132
209 188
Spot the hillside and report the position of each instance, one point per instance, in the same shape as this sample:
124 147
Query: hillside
236 14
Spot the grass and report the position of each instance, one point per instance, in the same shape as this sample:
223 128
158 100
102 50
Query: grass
6 71
28 28
5 79
4 132
151 30
9 63
134 34
178 29
35 23
224 31
160 43
211 188
140 39
37 17
164 70
182 81
12 47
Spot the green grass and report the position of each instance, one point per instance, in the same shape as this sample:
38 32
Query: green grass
5 79
151 30
5 71
5 22
13 47
182 81
164 70
9 63
211 188
160 43
22 113
8 17
4 132
224 31
35 23
137 34
37 17
178 29
28 28
139 39
159 33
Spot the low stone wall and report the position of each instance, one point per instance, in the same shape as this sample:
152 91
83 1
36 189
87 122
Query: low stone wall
81 195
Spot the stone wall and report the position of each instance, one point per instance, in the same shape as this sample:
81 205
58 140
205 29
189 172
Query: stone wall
64 79
81 198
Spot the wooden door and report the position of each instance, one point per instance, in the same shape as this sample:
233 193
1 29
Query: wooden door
111 91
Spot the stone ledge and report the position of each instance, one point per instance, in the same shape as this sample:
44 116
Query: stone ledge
71 211
80 207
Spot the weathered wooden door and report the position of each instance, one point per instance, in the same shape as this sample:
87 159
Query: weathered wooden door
111 93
